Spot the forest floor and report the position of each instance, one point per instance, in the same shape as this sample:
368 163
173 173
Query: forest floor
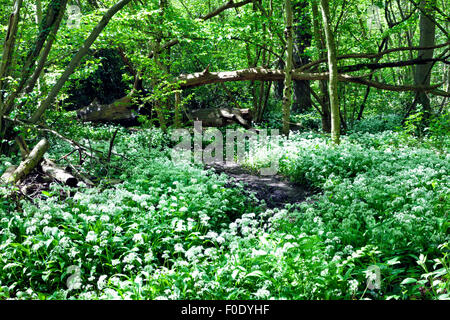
275 190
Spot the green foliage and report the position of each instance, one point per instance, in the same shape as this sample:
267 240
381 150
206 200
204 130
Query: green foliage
393 198
426 283
439 131
101 79
375 124
117 230
156 229
174 231
413 123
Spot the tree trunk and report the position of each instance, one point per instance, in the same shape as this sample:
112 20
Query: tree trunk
8 175
320 45
38 20
121 109
423 72
178 115
287 97
302 40
8 47
159 106
261 74
219 117
23 147
54 11
333 73
37 74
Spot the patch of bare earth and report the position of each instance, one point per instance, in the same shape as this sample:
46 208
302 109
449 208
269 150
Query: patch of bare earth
275 190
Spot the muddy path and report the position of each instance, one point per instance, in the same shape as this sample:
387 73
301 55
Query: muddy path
275 190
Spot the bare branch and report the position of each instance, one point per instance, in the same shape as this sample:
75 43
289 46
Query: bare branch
229 5
372 55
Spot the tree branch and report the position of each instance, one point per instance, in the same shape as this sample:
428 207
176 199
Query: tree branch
372 55
229 5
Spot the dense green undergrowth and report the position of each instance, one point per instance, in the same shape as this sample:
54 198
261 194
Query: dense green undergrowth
175 231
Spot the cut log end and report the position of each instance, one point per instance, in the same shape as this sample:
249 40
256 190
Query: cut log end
58 174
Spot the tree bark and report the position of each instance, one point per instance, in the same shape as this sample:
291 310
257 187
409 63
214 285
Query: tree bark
178 115
333 73
38 20
54 10
302 40
219 117
261 74
287 96
230 4
24 151
427 39
121 109
158 105
31 161
8 175
8 47
323 89
37 74
58 174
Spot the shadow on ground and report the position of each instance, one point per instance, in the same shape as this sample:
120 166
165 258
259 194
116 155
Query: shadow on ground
275 190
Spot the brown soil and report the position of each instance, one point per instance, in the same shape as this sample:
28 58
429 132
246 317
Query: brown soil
276 191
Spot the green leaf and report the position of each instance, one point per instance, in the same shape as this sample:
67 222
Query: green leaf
256 273
46 193
408 281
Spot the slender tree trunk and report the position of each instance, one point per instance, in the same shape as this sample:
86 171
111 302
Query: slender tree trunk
323 86
8 47
38 19
332 66
178 115
423 71
287 97
262 86
37 74
53 12
6 63
159 106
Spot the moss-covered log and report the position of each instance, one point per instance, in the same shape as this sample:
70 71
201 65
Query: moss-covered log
30 162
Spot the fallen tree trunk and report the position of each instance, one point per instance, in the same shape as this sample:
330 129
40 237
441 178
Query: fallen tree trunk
262 74
219 117
251 74
121 109
58 174
31 161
